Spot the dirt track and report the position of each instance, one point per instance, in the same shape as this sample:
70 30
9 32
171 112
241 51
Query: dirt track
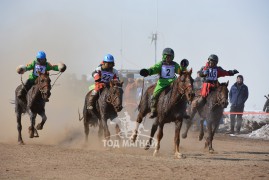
234 158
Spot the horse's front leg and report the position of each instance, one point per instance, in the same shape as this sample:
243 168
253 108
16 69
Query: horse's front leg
209 137
189 122
41 124
19 126
105 126
178 125
201 135
32 127
159 138
152 133
139 119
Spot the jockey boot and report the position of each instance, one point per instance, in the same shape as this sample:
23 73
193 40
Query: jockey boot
92 99
22 93
153 107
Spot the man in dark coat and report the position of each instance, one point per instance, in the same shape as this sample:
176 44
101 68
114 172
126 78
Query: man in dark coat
238 95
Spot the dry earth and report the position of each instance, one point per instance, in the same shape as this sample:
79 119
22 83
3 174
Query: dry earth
70 158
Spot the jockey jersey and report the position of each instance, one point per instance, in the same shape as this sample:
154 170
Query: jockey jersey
35 66
211 79
104 76
167 73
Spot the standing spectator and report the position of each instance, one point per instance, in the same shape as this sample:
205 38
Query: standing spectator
131 94
266 105
238 95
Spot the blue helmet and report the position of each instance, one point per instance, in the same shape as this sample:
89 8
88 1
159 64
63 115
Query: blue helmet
41 55
108 58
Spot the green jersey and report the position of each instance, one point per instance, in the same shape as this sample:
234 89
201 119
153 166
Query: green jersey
37 67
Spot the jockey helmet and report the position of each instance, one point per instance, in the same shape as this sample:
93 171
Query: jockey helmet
109 58
41 58
168 51
213 58
184 63
41 55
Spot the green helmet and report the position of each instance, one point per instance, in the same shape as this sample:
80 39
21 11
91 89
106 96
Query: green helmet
213 58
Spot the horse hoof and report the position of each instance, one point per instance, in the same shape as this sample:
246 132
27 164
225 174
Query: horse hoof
179 156
211 151
21 143
156 153
39 127
147 147
184 135
133 137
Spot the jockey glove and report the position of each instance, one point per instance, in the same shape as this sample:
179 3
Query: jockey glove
144 72
233 72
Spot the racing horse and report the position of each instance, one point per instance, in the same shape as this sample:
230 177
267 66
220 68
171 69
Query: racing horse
107 106
212 112
33 103
171 107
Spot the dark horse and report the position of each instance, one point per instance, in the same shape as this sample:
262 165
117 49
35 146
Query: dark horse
212 112
33 104
107 106
171 107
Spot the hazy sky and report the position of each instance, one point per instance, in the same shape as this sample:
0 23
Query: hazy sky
81 32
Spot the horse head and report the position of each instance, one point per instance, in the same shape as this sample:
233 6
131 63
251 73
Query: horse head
222 94
185 85
115 95
43 84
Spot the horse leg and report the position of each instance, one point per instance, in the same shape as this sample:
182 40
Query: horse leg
117 130
106 130
192 114
201 135
210 137
178 125
86 129
19 127
41 124
32 127
139 119
152 133
100 130
159 138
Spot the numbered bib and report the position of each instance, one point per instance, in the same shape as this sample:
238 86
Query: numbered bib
212 74
168 71
106 76
39 68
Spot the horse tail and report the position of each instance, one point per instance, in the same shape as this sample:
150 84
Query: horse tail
79 118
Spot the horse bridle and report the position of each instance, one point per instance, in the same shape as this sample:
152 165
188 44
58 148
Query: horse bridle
109 98
219 99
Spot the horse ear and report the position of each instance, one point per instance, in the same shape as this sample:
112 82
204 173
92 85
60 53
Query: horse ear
227 83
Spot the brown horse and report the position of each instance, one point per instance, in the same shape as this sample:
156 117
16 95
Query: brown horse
171 107
107 106
212 112
33 104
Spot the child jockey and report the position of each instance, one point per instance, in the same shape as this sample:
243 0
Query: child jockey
167 68
40 64
102 75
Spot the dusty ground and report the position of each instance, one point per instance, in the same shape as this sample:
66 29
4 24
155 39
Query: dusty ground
60 151
70 158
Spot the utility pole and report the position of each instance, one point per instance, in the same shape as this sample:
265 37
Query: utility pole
154 38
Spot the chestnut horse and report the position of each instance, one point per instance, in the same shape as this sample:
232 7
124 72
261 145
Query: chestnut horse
171 107
33 104
108 104
212 112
